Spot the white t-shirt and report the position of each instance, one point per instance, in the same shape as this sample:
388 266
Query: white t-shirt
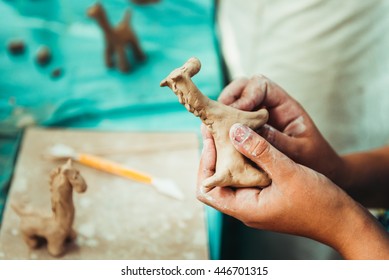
332 56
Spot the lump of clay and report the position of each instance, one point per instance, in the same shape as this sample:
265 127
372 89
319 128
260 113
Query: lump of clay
56 228
117 39
232 168
16 47
43 56
56 73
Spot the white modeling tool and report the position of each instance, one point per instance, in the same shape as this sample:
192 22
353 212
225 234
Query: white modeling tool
164 186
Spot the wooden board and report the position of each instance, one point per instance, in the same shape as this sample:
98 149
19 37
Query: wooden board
116 218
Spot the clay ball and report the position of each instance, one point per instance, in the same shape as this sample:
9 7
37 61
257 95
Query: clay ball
16 47
56 73
43 55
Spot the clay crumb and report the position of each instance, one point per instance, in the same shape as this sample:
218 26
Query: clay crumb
43 56
16 47
56 73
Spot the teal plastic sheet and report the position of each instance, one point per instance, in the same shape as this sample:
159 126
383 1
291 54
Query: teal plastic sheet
87 94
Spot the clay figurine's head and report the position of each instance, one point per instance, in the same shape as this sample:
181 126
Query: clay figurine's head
70 174
192 66
95 11
189 69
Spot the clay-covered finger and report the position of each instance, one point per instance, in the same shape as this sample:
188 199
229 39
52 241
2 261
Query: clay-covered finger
208 159
222 199
205 133
257 149
252 96
279 140
233 91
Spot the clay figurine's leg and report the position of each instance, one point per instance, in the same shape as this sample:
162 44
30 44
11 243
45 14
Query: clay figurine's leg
217 180
254 120
108 55
124 66
55 246
250 176
72 235
31 240
139 54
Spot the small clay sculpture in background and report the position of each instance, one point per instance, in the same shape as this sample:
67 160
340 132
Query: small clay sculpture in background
117 39
56 229
16 47
232 168
43 56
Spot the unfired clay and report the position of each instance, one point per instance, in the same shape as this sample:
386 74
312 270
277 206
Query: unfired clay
56 73
43 56
232 168
16 47
117 39
56 229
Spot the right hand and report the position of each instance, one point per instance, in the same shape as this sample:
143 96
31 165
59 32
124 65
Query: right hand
290 129
298 200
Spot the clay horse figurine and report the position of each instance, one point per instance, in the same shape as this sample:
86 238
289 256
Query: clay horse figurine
232 168
56 228
117 39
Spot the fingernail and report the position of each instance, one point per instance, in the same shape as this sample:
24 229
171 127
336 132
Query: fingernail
240 132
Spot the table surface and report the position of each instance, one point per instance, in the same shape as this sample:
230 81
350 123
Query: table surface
116 218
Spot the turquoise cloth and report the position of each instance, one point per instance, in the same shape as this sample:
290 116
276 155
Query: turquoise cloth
383 218
90 96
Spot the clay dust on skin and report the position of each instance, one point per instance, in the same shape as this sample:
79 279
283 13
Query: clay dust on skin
296 127
204 192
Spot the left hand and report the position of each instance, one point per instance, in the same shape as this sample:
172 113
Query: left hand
289 129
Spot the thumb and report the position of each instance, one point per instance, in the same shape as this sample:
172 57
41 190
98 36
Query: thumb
279 140
257 149
251 97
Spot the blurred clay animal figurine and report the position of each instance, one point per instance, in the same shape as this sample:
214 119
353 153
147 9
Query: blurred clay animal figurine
232 168
56 229
117 39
